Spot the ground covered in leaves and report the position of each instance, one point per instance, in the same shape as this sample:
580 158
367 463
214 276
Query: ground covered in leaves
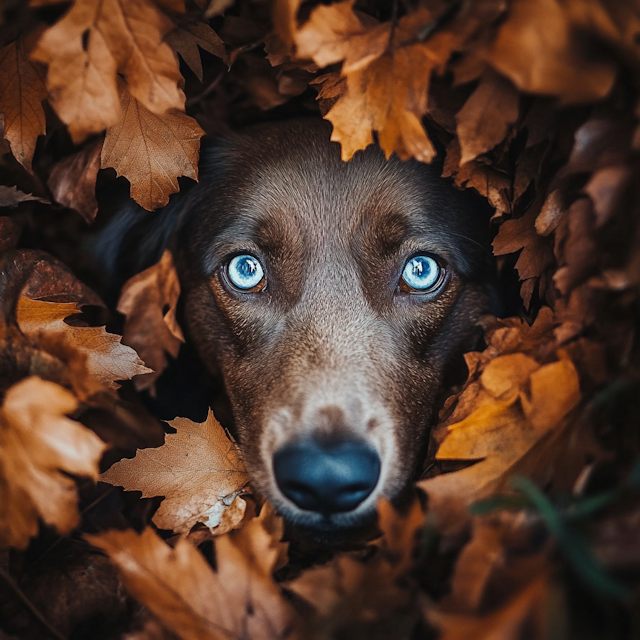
526 520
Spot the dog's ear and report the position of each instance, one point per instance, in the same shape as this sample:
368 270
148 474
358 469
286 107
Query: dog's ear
135 238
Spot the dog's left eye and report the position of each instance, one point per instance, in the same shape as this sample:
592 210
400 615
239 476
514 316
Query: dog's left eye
421 274
246 273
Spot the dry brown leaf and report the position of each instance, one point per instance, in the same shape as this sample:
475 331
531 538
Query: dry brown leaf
12 197
484 120
39 447
95 41
151 150
22 91
520 233
519 404
198 470
187 39
347 590
99 355
241 599
148 328
538 47
73 181
506 623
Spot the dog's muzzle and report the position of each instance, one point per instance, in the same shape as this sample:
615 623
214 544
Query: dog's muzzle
327 476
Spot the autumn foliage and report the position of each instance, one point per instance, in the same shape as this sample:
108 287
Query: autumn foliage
526 517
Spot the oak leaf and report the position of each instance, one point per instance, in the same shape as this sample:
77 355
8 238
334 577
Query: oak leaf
39 447
94 42
22 91
151 150
148 328
97 354
200 472
240 599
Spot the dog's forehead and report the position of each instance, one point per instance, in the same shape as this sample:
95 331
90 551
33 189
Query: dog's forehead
288 189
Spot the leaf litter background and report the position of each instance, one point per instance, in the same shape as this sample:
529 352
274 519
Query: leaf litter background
526 520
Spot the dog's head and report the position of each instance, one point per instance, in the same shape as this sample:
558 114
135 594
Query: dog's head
331 296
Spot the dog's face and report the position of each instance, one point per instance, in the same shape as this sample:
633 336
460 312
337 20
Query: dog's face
331 296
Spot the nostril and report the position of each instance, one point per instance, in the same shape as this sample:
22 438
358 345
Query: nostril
327 477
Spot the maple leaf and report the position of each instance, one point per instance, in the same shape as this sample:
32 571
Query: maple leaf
148 328
522 403
200 472
188 38
39 447
151 150
22 91
94 42
99 355
240 599
73 181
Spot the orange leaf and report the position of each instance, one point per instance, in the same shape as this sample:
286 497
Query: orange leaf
94 42
240 599
102 357
39 447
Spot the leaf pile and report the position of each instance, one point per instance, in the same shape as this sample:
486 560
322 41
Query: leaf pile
525 522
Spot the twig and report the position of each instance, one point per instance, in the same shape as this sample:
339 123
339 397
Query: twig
27 603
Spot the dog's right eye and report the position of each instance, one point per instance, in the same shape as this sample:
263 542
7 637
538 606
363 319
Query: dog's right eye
246 273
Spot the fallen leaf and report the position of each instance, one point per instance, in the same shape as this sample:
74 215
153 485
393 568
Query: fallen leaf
100 355
538 48
519 402
200 472
520 233
90 45
12 197
240 599
149 301
22 91
151 150
187 39
73 181
506 623
39 448
486 116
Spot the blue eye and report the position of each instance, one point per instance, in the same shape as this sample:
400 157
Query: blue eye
421 273
245 272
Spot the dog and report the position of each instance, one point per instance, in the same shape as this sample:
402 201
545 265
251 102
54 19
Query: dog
330 297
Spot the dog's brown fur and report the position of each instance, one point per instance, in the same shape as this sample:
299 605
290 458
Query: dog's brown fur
332 345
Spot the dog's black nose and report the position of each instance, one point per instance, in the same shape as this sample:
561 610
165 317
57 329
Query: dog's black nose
328 477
